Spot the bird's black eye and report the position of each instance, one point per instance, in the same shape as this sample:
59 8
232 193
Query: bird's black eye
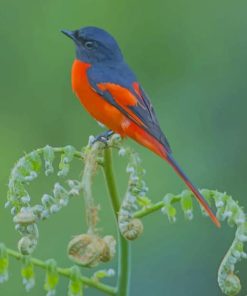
89 44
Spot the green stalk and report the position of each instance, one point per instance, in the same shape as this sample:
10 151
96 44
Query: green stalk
148 210
66 272
124 248
153 208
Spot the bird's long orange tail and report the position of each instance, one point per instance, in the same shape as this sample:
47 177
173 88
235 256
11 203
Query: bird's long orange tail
144 138
169 158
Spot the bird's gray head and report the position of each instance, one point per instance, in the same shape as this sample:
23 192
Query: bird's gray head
94 45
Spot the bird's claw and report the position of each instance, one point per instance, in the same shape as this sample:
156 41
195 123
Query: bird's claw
103 138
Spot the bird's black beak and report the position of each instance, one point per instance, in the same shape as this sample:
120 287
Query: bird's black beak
70 34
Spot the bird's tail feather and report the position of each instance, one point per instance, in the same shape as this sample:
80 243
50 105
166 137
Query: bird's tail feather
169 158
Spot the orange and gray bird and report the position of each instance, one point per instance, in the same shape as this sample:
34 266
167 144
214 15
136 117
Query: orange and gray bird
111 93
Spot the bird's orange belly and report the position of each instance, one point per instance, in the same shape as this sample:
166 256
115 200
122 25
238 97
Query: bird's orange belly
107 114
94 103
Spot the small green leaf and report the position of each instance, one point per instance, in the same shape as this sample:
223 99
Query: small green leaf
35 160
75 284
170 211
51 278
66 158
187 204
49 156
4 264
143 201
100 274
27 273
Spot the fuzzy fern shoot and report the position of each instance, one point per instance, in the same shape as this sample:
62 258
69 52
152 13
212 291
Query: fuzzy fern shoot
94 247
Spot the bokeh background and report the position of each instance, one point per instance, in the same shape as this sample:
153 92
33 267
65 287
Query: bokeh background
191 57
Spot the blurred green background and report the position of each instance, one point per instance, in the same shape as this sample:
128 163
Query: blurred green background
191 57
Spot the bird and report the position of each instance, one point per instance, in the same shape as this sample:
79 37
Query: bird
111 93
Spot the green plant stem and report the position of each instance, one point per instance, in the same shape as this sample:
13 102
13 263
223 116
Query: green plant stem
148 210
124 248
153 208
66 272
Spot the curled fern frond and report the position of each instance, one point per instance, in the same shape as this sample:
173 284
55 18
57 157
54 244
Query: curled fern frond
136 196
91 248
24 172
227 210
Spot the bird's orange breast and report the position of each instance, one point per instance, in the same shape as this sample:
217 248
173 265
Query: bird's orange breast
101 110
107 114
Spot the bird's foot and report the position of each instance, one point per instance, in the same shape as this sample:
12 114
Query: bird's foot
103 137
